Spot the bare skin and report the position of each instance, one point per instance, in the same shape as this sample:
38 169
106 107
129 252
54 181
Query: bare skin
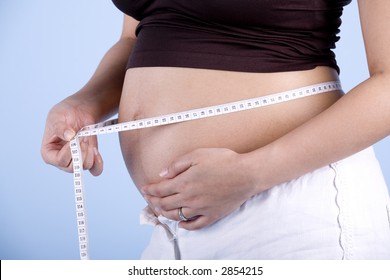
210 167
151 92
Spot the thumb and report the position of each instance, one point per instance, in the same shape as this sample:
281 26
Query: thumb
69 134
176 167
63 131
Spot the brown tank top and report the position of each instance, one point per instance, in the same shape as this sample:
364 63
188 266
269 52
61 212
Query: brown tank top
236 35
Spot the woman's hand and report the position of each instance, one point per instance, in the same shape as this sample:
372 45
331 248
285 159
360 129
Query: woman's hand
63 121
97 100
207 183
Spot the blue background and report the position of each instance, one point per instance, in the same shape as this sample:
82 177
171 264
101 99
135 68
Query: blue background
48 50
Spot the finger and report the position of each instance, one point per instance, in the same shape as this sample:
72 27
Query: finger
91 140
87 155
64 131
166 204
58 155
89 158
92 159
174 214
64 158
95 160
97 167
55 145
195 224
178 166
162 189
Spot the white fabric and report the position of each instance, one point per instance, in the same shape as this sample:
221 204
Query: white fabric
336 212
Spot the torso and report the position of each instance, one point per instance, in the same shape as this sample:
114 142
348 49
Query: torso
153 91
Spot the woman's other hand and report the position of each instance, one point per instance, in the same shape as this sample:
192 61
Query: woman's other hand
207 183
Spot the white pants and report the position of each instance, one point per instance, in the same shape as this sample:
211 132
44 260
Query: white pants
340 211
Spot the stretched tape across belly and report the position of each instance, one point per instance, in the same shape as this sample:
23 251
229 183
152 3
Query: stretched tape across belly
112 126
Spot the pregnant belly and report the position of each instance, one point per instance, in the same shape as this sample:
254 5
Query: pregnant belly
149 92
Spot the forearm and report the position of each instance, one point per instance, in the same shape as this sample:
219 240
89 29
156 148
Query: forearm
356 121
101 95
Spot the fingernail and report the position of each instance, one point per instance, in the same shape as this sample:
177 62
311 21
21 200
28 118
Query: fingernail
164 173
69 134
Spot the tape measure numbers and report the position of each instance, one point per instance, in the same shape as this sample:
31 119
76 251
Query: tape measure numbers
112 126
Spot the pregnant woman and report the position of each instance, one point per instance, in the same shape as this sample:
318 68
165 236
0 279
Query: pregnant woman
295 180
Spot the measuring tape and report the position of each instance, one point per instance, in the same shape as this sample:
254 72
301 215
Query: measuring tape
112 126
